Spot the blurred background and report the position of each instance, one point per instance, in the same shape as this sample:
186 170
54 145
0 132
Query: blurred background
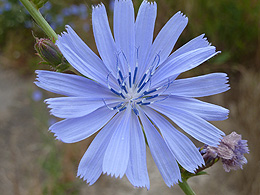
33 162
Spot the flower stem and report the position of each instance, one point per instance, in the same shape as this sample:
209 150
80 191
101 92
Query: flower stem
186 188
35 13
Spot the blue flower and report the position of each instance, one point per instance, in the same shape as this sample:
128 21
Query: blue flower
51 121
59 19
47 6
66 12
7 6
37 95
83 11
130 91
28 24
74 9
86 27
111 4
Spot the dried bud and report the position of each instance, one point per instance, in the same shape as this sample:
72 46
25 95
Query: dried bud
231 151
50 54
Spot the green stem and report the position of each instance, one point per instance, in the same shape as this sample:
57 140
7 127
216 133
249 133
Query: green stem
186 188
39 19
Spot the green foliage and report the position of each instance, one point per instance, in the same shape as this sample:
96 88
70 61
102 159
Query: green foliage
12 16
232 26
55 164
55 182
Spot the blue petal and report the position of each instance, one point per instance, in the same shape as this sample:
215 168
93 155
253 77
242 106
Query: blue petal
207 111
144 28
90 166
73 107
193 44
81 57
77 129
124 29
184 150
167 37
103 37
71 85
196 43
192 124
206 85
117 153
183 63
137 169
161 154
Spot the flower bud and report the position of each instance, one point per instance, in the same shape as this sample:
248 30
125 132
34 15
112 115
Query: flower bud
51 54
48 51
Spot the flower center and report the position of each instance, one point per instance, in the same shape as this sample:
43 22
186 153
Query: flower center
136 92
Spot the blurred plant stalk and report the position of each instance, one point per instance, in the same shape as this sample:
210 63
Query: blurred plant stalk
35 13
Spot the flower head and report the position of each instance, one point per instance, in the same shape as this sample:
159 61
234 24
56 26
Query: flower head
133 87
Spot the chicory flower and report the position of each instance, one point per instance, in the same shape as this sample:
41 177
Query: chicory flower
127 92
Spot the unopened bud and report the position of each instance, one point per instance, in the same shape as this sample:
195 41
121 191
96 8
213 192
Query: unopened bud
51 54
48 51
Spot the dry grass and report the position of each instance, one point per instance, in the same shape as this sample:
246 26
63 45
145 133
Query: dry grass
245 113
